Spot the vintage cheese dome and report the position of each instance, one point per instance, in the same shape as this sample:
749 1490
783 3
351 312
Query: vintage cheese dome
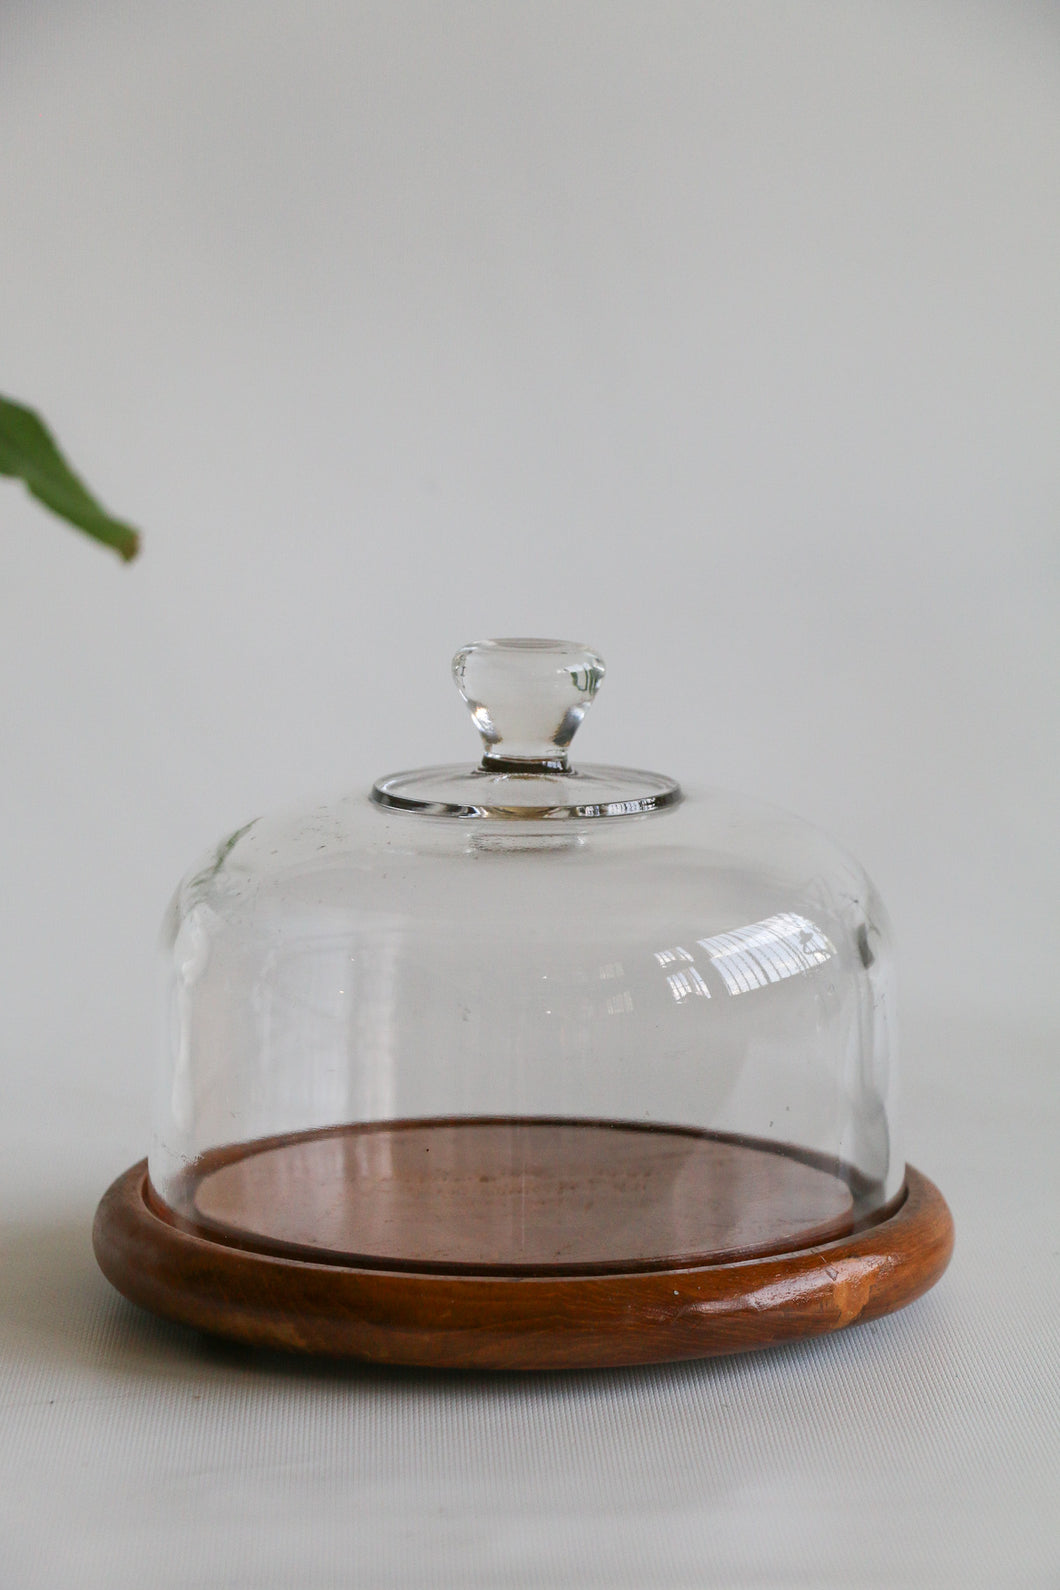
521 1031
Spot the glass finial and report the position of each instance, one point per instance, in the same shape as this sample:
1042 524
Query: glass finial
527 698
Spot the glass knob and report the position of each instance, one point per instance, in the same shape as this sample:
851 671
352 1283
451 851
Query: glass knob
527 698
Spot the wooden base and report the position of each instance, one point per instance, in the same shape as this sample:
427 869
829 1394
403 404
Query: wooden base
295 1286
523 1195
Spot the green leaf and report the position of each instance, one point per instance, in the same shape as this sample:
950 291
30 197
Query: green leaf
28 452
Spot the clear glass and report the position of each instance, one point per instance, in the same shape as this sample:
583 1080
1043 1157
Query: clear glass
663 1035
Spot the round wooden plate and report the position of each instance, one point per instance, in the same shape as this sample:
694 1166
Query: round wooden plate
575 1313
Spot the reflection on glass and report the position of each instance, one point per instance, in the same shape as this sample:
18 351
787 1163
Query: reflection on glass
782 946
687 982
619 1004
667 957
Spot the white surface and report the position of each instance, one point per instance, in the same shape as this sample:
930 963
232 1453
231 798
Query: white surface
725 338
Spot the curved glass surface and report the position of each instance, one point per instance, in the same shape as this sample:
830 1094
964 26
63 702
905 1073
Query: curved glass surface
704 991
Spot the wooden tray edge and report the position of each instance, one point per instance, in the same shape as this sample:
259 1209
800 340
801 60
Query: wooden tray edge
527 1322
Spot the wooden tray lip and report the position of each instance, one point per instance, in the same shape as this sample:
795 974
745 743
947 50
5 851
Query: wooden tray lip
519 1323
275 1248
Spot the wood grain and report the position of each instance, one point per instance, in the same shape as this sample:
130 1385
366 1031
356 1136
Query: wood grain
519 1322
504 1196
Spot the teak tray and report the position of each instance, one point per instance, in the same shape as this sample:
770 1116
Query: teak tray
500 1244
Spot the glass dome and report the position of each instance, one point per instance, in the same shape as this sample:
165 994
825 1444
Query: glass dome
525 1019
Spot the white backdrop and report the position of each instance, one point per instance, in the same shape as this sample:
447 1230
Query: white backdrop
725 337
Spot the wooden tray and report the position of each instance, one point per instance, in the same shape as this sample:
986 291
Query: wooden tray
518 1244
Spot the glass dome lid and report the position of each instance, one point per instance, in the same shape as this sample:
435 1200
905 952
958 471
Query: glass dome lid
522 1022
